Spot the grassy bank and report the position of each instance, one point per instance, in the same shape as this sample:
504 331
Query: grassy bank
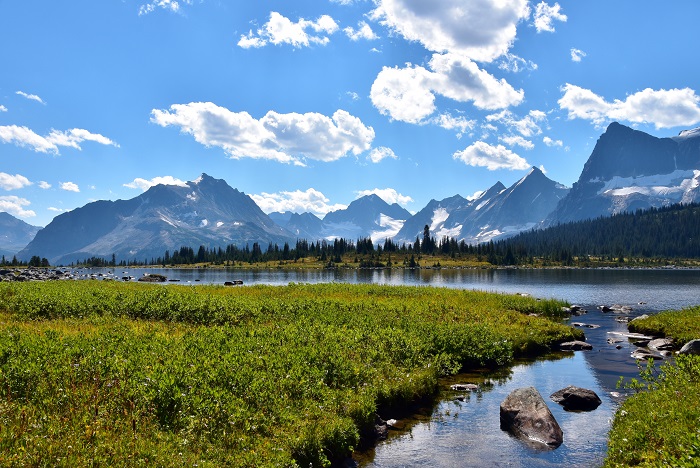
96 373
660 425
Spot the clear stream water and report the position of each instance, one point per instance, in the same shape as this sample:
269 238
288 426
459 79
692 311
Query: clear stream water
454 433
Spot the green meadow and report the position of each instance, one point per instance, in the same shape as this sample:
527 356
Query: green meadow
102 373
660 424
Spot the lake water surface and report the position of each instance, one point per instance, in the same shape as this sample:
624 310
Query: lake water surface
467 433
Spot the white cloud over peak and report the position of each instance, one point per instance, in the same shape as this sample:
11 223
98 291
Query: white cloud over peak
25 137
310 200
31 97
144 184
363 31
482 154
13 182
545 15
15 206
577 55
44 185
408 94
69 186
389 195
168 5
517 140
382 152
286 138
450 25
281 30
662 108
56 210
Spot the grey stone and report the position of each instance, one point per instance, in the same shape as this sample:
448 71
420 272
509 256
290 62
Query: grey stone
661 344
576 398
525 414
575 346
691 347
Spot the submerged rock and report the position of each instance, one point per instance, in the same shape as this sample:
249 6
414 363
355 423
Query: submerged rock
642 355
465 387
576 398
525 414
575 346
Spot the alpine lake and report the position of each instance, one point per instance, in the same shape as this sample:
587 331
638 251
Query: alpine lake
463 430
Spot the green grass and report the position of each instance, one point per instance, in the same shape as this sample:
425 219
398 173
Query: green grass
660 425
681 325
95 373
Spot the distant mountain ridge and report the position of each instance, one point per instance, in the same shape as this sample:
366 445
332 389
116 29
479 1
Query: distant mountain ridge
15 234
626 171
206 211
496 213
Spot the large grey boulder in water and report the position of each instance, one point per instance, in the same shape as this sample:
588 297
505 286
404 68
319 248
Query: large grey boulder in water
525 414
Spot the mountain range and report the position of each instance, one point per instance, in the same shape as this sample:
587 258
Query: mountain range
627 170
14 234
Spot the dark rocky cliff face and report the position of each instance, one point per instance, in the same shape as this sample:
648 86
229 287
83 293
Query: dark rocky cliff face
629 170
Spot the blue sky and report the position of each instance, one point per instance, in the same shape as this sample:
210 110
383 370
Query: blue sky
307 105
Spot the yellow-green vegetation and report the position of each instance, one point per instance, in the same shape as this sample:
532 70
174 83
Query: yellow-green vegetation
681 325
660 425
102 374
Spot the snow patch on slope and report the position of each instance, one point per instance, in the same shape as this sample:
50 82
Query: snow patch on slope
673 186
391 228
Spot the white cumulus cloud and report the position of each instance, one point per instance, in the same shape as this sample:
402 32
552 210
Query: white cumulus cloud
549 142
382 152
517 140
408 94
31 97
168 5
281 30
363 31
310 200
13 182
144 184
69 186
44 185
287 138
15 206
577 55
389 195
527 126
513 63
482 154
545 16
664 108
449 122
482 30
25 137
3 108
